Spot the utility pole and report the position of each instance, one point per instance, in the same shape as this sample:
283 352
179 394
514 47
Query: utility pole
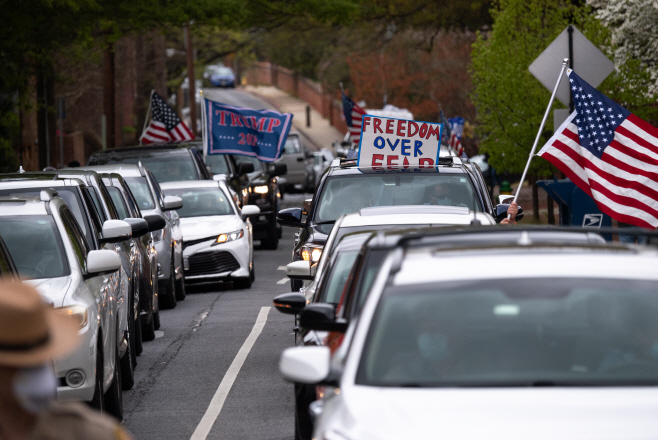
190 78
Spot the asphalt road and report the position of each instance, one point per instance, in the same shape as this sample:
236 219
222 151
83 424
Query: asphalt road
179 373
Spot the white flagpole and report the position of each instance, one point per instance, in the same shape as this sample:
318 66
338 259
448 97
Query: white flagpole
148 117
565 62
204 137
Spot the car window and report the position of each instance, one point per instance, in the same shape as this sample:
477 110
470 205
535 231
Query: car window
132 203
199 202
369 271
35 246
522 332
97 204
170 168
292 146
348 194
218 164
140 189
78 242
119 204
337 277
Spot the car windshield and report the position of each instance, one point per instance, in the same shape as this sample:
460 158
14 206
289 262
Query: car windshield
348 194
200 202
523 332
222 71
338 277
292 146
140 189
217 164
165 167
35 246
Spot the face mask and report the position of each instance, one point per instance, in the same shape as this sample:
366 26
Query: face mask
35 388
433 346
444 201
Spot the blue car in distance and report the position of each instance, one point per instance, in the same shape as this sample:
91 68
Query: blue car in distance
220 76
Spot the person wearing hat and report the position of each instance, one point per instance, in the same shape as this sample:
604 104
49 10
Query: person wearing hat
32 334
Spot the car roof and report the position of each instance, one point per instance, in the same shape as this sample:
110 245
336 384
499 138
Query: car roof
37 182
123 169
413 215
190 184
17 205
155 149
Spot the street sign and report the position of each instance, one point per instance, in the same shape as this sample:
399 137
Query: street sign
587 60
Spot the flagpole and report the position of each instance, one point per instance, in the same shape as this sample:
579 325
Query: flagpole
565 62
204 137
148 116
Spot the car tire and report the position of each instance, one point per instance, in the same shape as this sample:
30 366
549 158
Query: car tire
169 298
127 364
242 283
272 240
148 330
97 401
156 316
252 273
139 337
114 396
180 289
304 395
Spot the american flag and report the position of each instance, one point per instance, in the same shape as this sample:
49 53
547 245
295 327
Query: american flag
353 115
165 125
456 132
610 153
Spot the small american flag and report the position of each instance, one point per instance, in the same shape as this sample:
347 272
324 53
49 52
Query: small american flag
456 132
609 153
353 115
165 125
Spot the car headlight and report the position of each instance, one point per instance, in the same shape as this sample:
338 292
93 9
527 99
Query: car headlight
79 313
312 253
223 238
263 189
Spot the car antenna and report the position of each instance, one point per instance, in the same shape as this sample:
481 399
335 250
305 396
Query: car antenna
475 221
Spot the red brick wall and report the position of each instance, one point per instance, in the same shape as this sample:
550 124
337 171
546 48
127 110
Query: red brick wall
311 92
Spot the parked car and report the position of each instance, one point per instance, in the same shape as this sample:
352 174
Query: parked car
299 163
529 329
52 254
168 162
217 235
128 209
168 240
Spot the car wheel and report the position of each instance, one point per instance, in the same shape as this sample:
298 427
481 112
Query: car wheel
156 316
126 362
242 283
114 396
304 395
180 289
272 240
148 330
97 401
139 337
169 298
252 273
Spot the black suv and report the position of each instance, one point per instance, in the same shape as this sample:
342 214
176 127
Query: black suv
344 189
168 162
254 183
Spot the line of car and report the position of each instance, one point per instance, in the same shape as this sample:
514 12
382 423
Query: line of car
416 316
113 242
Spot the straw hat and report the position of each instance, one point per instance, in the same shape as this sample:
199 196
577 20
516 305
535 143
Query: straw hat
31 333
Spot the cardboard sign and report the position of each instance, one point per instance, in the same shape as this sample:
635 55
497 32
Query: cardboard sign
389 144
235 130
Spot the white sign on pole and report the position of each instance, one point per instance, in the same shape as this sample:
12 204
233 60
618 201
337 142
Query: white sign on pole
588 62
389 144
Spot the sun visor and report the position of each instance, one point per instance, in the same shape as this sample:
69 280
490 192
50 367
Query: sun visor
399 145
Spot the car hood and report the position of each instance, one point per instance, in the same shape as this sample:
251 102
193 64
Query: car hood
53 290
493 413
200 227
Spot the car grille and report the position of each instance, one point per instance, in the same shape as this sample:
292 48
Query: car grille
205 263
198 240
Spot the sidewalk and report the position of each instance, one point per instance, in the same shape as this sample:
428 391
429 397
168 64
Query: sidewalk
320 134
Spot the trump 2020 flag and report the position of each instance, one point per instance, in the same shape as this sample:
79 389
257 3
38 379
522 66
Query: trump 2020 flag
610 153
234 130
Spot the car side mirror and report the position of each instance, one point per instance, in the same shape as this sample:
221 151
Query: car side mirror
139 226
290 217
102 261
277 169
116 231
308 365
501 212
245 168
248 210
291 303
155 222
321 317
172 202
299 270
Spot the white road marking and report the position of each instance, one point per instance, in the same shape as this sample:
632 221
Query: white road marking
282 281
281 268
159 334
217 402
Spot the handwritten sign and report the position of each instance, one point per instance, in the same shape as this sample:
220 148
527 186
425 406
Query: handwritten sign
245 131
389 144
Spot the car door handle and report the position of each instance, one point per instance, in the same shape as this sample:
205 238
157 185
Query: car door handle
300 159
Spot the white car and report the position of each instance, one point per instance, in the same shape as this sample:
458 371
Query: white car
51 253
217 237
525 338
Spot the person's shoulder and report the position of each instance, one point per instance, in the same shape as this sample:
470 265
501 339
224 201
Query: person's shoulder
74 421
